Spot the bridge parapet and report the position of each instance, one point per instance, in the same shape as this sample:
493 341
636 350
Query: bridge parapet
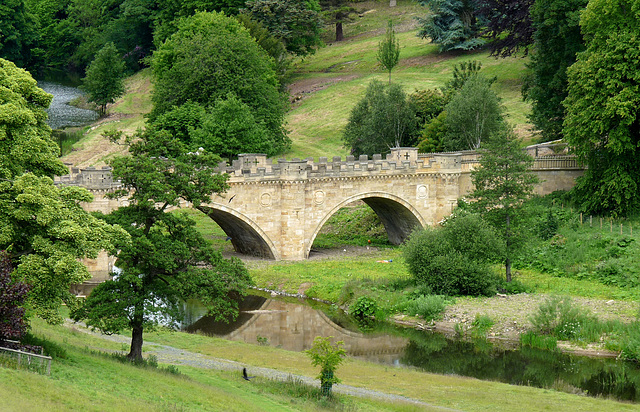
255 166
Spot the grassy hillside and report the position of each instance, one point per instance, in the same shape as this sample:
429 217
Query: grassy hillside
85 377
327 85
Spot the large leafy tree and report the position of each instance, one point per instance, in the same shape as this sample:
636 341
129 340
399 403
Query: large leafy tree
210 56
167 260
502 181
509 26
104 81
383 119
557 40
452 24
43 227
296 22
603 108
18 32
474 114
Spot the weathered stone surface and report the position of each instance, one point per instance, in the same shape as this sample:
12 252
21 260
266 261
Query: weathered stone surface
275 210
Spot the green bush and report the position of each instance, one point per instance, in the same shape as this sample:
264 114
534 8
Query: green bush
364 309
558 316
429 307
454 260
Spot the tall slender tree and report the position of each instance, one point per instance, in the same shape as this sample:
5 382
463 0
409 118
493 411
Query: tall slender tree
389 50
502 182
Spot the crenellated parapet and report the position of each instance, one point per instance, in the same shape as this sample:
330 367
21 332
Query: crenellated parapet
401 161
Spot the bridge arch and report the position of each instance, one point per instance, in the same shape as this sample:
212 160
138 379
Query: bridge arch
398 216
245 235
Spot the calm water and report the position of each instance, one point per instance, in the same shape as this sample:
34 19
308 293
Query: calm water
293 326
61 114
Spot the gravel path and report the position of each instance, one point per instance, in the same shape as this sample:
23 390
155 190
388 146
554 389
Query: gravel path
175 356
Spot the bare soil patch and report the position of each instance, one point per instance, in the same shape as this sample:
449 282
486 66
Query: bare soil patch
303 88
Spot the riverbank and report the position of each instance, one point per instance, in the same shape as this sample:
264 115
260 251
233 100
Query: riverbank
338 276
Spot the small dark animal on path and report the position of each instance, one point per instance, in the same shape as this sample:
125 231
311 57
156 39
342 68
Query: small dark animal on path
244 375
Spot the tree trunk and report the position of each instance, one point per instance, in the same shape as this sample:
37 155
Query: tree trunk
507 262
135 354
339 34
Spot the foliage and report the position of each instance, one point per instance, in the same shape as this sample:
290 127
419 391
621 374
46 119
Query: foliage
434 135
452 24
18 32
230 128
557 40
389 50
474 114
429 307
509 26
603 109
296 22
383 119
481 326
535 340
429 103
229 61
272 45
104 81
462 72
328 356
502 182
364 309
12 296
453 260
43 227
167 261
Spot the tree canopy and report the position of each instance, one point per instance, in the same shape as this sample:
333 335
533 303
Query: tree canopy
383 119
167 260
104 81
452 24
474 114
43 228
296 22
603 108
557 40
210 56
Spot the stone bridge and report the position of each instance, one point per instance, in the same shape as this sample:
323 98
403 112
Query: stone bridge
276 210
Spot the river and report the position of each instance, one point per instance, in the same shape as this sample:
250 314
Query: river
292 325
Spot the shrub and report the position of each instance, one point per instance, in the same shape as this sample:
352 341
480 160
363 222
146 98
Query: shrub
328 357
428 307
454 260
481 325
364 309
558 316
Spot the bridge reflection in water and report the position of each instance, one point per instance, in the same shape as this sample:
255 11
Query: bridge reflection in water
293 327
